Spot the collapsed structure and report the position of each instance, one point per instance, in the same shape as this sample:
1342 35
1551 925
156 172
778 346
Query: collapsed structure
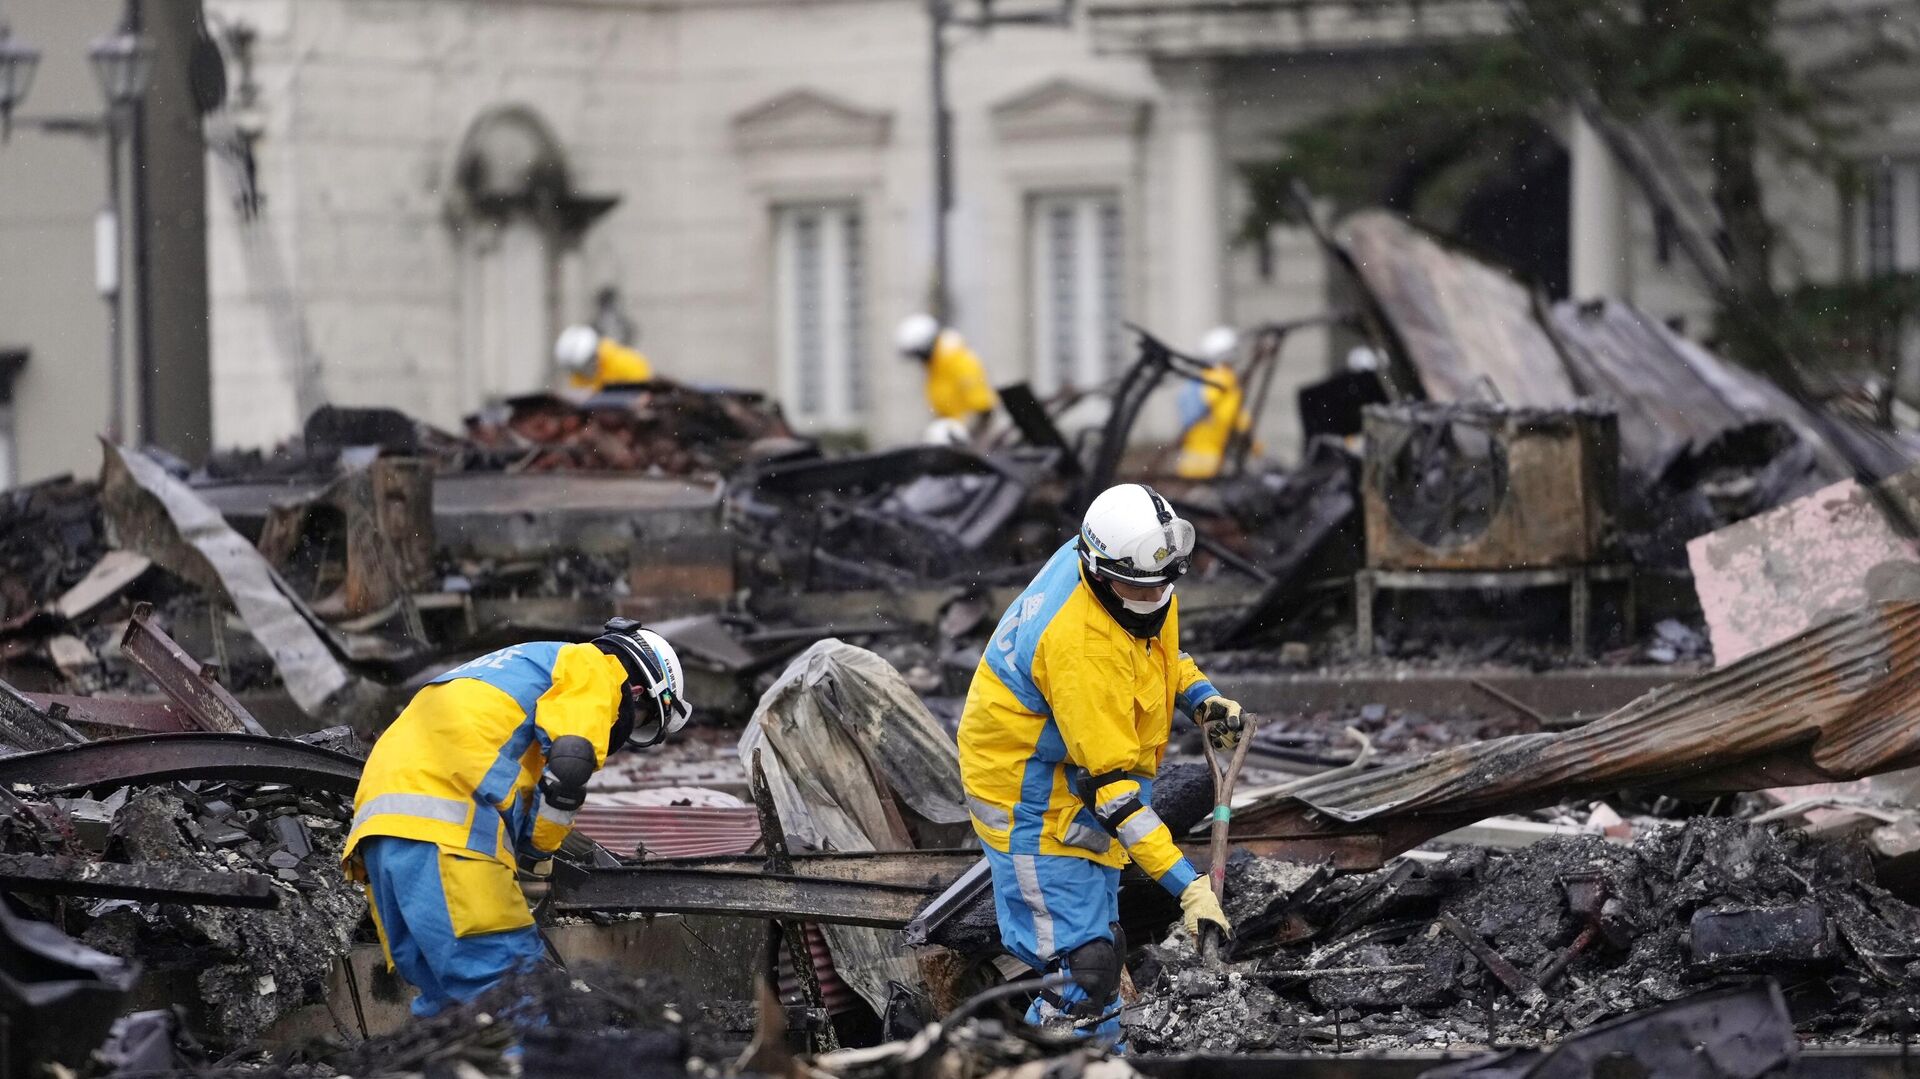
164 631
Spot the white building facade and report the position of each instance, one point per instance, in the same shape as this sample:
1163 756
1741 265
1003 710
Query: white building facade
435 187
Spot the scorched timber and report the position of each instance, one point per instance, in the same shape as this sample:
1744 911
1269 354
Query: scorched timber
159 882
1837 702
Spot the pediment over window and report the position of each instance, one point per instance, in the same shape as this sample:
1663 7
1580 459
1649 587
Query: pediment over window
808 119
1063 107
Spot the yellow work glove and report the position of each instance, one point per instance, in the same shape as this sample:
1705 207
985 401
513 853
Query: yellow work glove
1220 718
1199 904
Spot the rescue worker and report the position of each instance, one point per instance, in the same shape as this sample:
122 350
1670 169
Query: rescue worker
481 776
593 362
957 387
1062 734
1211 411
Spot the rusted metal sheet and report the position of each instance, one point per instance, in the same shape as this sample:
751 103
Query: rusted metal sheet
115 715
160 882
1771 576
189 684
1837 702
160 758
1461 322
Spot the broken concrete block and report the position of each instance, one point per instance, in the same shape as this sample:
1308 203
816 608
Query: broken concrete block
1759 939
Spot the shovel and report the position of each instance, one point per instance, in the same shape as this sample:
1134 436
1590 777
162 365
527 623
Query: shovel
1224 777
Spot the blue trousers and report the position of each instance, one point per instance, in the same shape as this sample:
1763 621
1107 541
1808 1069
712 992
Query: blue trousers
1049 905
410 908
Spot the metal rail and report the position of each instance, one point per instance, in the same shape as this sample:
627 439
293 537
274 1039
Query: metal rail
183 678
161 758
640 889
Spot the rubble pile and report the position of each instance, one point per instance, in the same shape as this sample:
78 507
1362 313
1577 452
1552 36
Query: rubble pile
246 967
50 536
660 427
1579 929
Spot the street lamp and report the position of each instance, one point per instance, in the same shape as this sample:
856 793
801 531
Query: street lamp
123 64
18 62
942 14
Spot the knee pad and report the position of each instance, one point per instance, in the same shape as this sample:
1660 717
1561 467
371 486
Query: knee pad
1095 967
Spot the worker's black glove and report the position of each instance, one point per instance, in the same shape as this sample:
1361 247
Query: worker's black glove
1220 718
536 863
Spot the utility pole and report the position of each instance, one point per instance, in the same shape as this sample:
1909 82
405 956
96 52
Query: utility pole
940 16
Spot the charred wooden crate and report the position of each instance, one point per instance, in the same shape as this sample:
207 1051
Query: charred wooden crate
1487 487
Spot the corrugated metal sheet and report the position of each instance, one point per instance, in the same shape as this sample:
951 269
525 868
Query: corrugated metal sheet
834 992
671 831
1838 702
1460 320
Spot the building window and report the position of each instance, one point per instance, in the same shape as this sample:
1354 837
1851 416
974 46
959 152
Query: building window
1889 219
1079 283
820 293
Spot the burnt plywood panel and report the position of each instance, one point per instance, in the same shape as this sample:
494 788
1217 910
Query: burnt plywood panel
1767 578
1460 319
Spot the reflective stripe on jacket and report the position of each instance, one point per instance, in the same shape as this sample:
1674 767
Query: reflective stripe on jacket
1064 693
957 386
461 765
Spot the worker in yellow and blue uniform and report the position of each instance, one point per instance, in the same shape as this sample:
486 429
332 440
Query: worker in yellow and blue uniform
593 362
480 776
957 386
1212 409
1063 731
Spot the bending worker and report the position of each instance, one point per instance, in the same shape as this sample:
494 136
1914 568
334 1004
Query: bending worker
957 387
481 775
1063 731
1213 410
593 362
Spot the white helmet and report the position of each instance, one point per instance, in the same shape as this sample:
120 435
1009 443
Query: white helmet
656 703
576 346
1131 534
947 431
1219 344
916 335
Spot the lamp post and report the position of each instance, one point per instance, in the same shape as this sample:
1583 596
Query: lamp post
123 65
940 16
18 61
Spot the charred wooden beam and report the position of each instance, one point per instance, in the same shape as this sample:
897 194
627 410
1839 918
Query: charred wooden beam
156 882
641 889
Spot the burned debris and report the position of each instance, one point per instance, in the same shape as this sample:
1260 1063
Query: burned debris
1530 946
1516 494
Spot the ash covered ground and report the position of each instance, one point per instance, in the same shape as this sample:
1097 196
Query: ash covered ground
1710 903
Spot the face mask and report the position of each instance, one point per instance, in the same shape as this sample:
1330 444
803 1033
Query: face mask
1148 606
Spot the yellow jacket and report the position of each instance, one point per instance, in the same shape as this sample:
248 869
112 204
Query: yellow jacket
1064 694
461 765
957 386
1213 412
613 364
